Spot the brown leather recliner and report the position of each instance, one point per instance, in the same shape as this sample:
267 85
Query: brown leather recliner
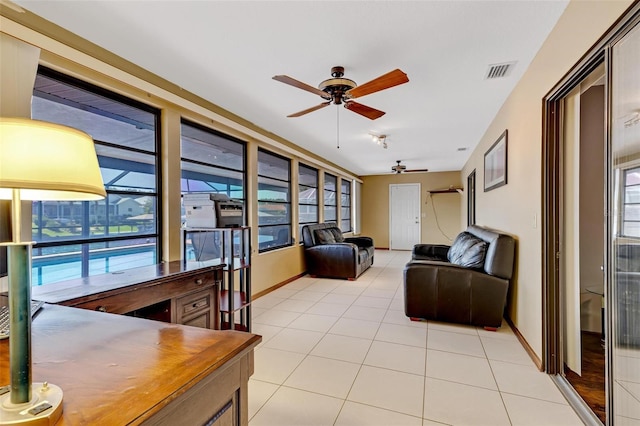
328 254
466 282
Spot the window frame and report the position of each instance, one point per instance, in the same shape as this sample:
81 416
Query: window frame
87 253
623 201
325 192
243 171
287 204
304 204
342 206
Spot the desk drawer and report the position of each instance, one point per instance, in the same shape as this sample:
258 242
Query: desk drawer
195 282
196 309
194 303
128 300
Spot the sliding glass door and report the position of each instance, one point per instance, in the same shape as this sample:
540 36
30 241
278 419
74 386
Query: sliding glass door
624 229
591 229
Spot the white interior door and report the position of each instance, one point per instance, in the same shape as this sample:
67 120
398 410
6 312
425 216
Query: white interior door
404 216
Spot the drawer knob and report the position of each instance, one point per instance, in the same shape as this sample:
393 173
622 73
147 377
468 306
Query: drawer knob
199 281
101 309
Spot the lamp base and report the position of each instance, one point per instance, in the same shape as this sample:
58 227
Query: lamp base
45 407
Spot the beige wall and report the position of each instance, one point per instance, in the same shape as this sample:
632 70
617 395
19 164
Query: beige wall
275 267
516 207
375 206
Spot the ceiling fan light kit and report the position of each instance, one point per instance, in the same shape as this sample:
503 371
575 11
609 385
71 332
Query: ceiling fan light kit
380 140
341 91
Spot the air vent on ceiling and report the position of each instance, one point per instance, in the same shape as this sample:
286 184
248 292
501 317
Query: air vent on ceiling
499 70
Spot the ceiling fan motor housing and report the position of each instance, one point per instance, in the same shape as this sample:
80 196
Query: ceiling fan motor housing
337 86
399 168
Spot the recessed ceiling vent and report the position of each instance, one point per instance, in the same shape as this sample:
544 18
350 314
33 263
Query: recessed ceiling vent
499 70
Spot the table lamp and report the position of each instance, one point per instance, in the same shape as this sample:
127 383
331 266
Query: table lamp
38 161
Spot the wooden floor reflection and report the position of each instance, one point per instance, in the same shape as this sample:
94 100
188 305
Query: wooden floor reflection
590 386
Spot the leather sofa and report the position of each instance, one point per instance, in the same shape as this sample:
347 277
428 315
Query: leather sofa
465 283
328 254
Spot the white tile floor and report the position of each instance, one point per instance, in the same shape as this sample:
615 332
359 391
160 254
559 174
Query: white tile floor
337 352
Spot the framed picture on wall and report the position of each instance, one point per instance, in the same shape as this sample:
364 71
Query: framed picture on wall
495 164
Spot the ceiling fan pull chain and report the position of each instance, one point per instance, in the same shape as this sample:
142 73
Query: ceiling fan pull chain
338 126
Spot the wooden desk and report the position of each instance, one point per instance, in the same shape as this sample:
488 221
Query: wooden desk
177 292
118 370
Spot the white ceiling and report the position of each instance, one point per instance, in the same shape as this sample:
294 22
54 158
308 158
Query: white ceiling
227 52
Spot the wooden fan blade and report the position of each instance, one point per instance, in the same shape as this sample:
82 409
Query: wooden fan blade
308 110
300 85
416 170
390 79
370 113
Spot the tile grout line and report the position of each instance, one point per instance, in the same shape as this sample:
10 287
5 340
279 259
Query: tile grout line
504 404
424 382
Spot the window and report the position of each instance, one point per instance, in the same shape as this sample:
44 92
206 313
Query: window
307 195
330 201
82 238
345 205
211 162
631 208
274 201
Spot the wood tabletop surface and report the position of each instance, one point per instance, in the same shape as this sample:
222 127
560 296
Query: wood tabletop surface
119 370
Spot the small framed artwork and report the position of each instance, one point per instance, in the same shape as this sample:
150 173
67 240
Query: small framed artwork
495 164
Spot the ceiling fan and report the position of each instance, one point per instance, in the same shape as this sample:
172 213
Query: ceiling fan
401 168
339 90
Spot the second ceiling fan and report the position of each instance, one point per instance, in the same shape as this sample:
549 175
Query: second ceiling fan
401 168
339 90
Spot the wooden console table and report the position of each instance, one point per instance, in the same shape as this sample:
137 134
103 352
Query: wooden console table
118 370
175 292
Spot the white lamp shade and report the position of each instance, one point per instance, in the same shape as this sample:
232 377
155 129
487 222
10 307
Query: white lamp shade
47 161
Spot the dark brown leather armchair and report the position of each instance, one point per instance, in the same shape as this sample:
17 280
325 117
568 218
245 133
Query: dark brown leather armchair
466 282
329 254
